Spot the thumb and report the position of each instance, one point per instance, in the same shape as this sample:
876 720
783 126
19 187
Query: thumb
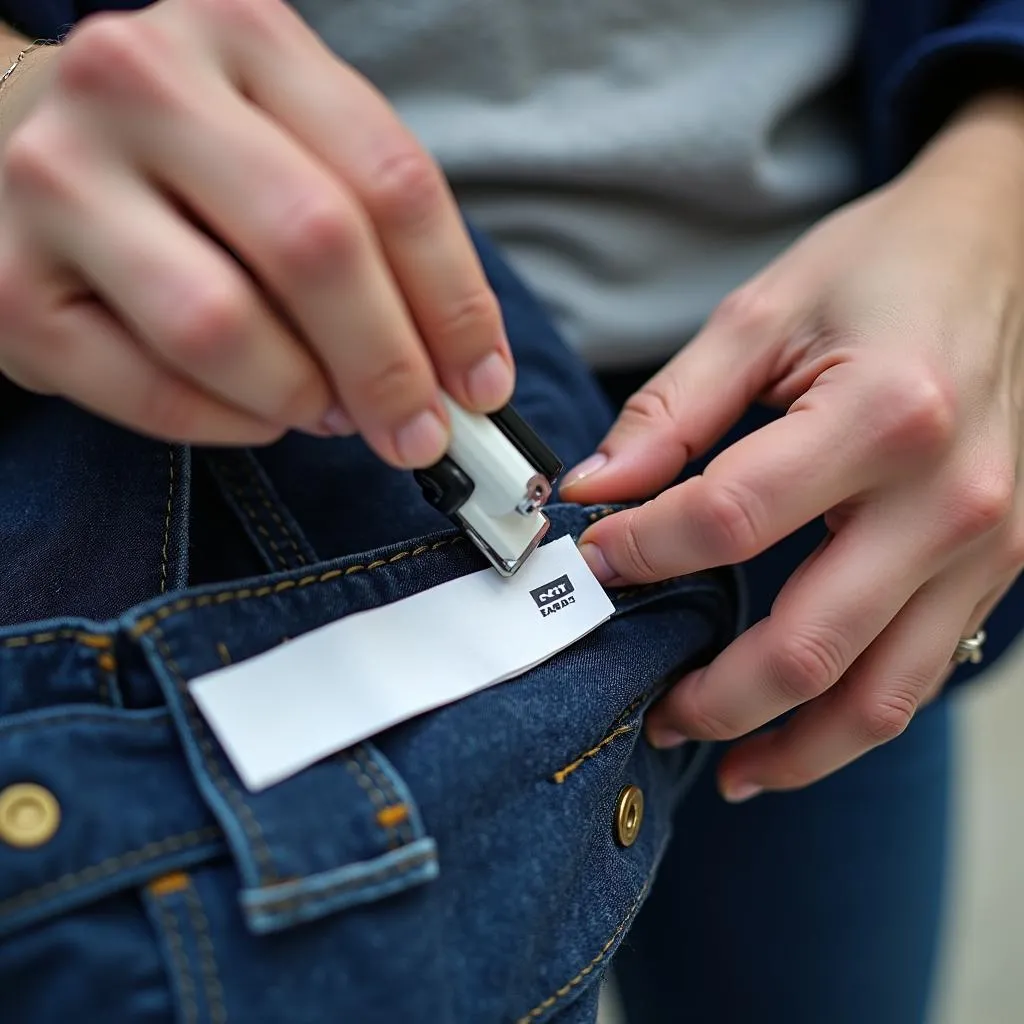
678 415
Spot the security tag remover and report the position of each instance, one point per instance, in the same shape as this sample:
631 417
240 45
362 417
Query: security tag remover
493 482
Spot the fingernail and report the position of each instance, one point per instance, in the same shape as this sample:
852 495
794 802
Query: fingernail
741 792
588 467
337 422
595 559
422 440
663 737
489 382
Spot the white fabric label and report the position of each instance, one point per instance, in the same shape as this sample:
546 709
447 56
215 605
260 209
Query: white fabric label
281 711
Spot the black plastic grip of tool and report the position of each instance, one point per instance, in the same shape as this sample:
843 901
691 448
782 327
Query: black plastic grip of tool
528 444
445 486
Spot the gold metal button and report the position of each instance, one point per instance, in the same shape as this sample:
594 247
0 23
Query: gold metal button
629 813
29 815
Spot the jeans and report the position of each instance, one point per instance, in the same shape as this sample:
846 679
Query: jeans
462 867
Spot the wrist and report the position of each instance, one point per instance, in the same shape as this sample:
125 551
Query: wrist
981 145
26 83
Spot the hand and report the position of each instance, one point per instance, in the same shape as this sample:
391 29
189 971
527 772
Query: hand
893 333
212 230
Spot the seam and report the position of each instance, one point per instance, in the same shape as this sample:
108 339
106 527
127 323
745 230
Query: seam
601 513
108 867
563 773
366 784
233 477
150 622
285 903
167 526
259 527
94 640
542 1007
186 986
207 962
401 825
276 516
246 818
626 712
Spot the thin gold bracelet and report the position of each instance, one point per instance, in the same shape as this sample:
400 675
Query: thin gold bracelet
21 56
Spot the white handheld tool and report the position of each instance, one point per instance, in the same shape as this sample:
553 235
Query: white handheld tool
492 483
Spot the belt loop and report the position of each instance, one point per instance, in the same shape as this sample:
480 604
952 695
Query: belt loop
250 494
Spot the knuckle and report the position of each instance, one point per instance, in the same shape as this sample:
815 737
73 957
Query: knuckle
751 312
922 412
474 317
216 319
700 722
888 715
109 52
653 404
807 663
638 565
34 160
318 239
394 384
983 502
407 189
726 522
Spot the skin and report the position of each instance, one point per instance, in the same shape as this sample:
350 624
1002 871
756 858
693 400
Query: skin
212 230
893 335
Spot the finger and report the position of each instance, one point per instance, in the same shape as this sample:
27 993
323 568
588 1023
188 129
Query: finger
175 289
676 416
86 356
309 243
759 490
873 704
351 128
818 627
976 622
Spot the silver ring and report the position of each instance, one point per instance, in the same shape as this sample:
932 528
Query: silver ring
969 648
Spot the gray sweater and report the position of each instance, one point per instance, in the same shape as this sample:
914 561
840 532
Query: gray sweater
637 159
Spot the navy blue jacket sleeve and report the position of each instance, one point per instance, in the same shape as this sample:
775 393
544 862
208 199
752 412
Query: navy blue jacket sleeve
923 58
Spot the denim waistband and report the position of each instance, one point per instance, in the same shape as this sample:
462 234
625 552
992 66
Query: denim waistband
191 632
103 709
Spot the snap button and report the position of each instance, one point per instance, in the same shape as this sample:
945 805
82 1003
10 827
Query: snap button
629 813
29 815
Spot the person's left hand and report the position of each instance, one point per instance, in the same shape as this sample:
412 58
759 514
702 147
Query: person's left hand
893 333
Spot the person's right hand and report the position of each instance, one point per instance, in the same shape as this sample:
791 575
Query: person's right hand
212 230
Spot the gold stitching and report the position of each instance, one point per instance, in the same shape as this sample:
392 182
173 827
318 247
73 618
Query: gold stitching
245 816
187 987
223 652
563 773
207 961
377 798
110 866
149 622
93 640
167 526
541 1008
403 827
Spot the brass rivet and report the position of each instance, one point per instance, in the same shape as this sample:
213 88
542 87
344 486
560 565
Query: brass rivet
629 813
29 815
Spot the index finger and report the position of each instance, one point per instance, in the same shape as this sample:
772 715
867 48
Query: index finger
348 125
756 492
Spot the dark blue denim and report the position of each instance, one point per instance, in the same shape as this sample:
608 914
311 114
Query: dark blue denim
462 867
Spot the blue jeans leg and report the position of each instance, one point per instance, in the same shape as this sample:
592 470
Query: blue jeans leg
815 907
